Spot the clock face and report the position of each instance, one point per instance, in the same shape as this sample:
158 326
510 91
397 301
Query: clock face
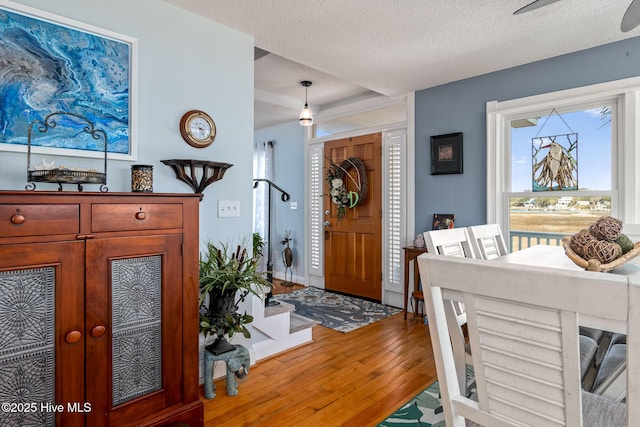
200 128
197 128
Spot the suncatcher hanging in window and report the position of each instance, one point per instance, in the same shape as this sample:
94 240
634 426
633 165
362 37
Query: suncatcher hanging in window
555 160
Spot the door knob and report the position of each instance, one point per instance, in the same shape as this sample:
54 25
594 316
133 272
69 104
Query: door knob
327 224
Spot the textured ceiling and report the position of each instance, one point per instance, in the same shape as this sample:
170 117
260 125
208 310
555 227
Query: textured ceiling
365 47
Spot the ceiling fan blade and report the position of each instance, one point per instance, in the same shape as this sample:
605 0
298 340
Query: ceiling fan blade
535 5
631 18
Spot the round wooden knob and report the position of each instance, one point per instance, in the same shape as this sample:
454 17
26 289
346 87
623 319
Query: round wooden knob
98 331
17 219
73 337
140 215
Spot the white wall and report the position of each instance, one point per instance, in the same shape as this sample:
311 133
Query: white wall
185 62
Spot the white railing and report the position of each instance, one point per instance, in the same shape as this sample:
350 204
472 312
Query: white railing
524 239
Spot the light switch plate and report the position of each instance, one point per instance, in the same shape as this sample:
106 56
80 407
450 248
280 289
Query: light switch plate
294 205
228 208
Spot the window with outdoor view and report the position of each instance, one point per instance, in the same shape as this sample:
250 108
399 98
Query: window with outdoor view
561 173
559 160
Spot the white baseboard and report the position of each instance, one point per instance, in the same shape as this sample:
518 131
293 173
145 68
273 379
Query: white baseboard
394 299
295 279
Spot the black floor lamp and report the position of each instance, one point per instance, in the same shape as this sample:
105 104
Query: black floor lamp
285 198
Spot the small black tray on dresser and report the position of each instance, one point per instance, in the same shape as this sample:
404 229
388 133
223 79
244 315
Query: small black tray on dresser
65 176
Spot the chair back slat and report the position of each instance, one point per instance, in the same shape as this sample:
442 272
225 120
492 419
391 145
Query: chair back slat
509 349
487 241
450 242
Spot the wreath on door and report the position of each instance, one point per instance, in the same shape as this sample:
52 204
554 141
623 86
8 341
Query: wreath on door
336 176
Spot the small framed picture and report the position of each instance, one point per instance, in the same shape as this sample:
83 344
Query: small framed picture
442 221
446 154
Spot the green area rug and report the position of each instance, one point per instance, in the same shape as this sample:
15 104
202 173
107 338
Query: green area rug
421 410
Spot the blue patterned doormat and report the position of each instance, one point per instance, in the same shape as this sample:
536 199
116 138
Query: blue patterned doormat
339 312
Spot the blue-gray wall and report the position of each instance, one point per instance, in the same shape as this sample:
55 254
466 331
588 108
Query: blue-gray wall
288 174
461 107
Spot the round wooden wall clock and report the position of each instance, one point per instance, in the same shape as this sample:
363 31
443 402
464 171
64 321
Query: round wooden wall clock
197 128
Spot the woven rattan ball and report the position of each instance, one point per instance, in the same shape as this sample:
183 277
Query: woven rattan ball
580 239
602 250
606 228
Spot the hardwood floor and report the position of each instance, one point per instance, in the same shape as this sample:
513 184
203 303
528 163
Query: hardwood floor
340 379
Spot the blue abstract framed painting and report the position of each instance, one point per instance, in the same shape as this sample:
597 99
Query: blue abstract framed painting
50 63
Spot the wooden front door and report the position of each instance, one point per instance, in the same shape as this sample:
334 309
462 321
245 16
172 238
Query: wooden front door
353 244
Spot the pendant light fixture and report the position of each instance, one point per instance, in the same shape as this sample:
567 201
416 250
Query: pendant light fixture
306 117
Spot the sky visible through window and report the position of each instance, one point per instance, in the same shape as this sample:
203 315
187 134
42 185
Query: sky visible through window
594 148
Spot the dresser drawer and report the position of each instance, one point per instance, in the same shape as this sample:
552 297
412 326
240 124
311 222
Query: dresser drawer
127 217
18 220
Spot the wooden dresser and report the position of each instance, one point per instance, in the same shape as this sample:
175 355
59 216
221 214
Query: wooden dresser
99 309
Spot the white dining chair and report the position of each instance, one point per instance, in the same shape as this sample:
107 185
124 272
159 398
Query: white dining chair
457 243
450 241
487 241
523 331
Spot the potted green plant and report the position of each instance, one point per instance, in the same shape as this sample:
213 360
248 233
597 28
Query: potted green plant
226 278
258 245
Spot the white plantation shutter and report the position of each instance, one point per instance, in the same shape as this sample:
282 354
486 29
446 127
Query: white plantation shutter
315 205
394 201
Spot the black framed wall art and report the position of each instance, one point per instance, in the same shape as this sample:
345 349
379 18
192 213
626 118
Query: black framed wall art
446 154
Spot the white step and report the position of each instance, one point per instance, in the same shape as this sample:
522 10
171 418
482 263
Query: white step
283 307
298 323
270 347
281 328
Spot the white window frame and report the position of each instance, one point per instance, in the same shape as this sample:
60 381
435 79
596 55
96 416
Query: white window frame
623 94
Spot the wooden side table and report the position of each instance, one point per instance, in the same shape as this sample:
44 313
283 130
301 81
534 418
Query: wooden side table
410 254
